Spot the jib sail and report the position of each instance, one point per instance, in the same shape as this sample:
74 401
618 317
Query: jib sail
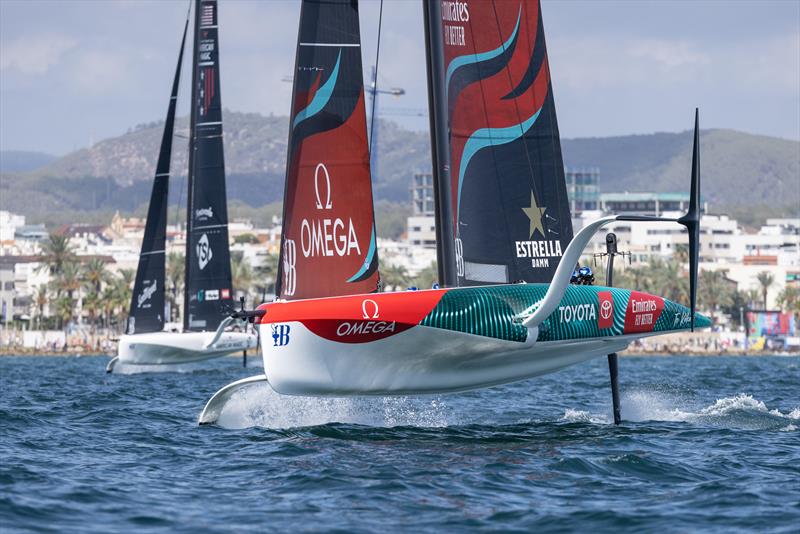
329 242
147 303
504 202
208 262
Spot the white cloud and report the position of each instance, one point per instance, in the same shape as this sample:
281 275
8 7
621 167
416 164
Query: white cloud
667 54
34 55
99 70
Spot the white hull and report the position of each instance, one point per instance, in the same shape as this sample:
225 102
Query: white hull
180 347
418 361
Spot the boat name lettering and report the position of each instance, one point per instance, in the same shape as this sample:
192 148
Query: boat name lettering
539 249
682 318
326 237
577 312
639 306
205 213
206 48
147 292
365 327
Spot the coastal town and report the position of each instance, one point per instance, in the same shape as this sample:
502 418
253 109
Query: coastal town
68 288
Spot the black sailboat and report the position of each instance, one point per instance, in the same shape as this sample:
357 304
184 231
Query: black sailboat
147 303
207 267
208 260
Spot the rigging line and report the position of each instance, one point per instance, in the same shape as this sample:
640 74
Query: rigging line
375 81
372 130
516 102
175 134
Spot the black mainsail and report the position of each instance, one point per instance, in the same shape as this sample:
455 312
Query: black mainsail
499 177
208 262
147 303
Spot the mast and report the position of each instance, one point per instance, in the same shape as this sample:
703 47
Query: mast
147 300
208 262
329 243
190 177
440 151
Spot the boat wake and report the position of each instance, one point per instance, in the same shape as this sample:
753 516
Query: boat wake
259 405
741 411
132 369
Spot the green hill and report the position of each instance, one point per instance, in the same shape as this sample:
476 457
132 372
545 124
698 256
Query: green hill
742 173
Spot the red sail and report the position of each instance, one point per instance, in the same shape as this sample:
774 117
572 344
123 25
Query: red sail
328 244
509 208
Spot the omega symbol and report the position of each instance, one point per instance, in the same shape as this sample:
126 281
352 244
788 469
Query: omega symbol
328 204
365 309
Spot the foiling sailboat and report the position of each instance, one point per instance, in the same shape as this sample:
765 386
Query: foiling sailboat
208 288
502 219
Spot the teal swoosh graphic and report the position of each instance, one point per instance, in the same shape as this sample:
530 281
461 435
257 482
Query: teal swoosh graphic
367 260
469 59
321 97
486 137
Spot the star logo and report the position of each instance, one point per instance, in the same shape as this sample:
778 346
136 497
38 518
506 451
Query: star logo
535 214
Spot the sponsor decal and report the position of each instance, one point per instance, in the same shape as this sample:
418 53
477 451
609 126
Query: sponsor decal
200 295
204 214
366 328
369 306
225 293
203 250
289 267
212 294
540 251
147 292
280 335
642 313
326 236
453 14
683 319
460 270
605 318
132 325
576 312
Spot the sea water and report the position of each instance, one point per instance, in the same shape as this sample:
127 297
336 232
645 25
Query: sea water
708 444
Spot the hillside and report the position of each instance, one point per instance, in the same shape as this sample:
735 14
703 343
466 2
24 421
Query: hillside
116 173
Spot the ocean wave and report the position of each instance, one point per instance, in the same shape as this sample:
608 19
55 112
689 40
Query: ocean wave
260 406
739 411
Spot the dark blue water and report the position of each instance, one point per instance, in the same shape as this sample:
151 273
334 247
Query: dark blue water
709 444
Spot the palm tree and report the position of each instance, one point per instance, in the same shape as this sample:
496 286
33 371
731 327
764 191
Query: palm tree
789 299
65 307
40 299
765 280
714 291
68 279
265 274
95 274
93 304
241 274
395 277
175 272
427 276
56 251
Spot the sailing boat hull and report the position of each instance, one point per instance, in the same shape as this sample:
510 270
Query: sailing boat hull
159 348
450 340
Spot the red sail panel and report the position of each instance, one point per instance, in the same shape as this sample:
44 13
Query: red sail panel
329 242
510 209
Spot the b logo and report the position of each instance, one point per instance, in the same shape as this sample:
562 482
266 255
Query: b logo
204 253
289 271
280 335
328 204
459 257
369 305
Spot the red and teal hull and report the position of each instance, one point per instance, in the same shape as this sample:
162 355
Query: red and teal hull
450 339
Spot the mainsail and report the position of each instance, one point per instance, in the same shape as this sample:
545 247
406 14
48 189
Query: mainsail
329 242
208 263
147 303
500 176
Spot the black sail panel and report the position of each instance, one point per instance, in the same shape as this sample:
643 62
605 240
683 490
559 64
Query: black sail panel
208 262
147 303
509 211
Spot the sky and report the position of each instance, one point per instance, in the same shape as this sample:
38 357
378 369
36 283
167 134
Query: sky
75 72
